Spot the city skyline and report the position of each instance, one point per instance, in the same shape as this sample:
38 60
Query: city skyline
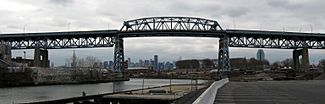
58 57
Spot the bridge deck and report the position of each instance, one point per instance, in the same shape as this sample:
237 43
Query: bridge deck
272 92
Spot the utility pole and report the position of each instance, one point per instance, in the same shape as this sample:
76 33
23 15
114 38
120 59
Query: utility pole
142 83
24 54
170 83
311 28
113 87
69 26
24 28
196 82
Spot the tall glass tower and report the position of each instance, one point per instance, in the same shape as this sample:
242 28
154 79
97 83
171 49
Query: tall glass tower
260 55
156 62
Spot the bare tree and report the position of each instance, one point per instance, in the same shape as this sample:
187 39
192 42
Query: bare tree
322 64
52 65
275 65
287 62
89 61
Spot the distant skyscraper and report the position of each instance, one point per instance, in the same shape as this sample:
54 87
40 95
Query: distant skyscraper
111 65
152 63
74 59
155 65
146 63
141 63
106 64
161 66
260 55
129 62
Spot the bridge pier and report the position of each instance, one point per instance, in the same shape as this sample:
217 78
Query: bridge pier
41 58
304 66
119 63
5 52
223 57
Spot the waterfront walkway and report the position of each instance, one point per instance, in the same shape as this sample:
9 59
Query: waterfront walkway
272 92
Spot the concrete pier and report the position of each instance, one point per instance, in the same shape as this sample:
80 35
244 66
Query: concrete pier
41 58
5 55
302 66
5 52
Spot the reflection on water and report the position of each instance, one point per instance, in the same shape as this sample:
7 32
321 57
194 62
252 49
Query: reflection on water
40 93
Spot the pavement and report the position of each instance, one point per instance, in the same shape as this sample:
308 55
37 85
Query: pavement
177 90
272 92
321 77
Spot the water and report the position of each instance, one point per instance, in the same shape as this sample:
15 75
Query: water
41 93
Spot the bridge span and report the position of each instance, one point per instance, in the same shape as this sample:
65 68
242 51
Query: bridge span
169 27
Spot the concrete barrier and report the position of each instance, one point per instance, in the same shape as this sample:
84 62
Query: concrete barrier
209 95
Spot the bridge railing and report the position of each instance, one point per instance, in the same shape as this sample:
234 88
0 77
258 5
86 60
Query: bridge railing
209 95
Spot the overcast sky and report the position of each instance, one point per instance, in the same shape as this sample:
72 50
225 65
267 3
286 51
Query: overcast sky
19 16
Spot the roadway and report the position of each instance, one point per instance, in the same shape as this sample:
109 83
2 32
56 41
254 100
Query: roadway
272 92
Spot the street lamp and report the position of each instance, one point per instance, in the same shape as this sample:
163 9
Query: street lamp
142 82
314 70
170 83
113 87
69 26
311 28
24 54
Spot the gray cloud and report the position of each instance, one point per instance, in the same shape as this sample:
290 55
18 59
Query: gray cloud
237 12
61 2
283 4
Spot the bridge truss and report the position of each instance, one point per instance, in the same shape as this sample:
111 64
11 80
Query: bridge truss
166 26
170 23
58 40
275 39
178 26
87 42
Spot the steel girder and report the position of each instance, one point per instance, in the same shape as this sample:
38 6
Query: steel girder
275 39
223 57
58 35
284 43
48 43
167 33
275 34
119 64
56 40
166 26
171 24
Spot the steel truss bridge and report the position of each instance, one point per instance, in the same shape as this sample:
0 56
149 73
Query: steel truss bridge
166 27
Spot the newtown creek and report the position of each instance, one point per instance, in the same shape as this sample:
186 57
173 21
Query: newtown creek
51 92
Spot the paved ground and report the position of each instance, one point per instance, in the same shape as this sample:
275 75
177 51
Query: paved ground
272 92
178 91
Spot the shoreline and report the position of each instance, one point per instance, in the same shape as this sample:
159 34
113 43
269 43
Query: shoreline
76 83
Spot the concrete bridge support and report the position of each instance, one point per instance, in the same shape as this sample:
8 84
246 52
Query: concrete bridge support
302 66
41 58
5 54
